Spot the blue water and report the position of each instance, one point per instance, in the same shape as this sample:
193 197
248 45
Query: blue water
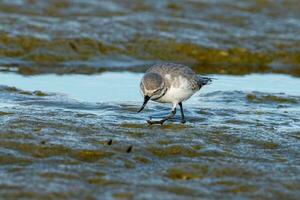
124 86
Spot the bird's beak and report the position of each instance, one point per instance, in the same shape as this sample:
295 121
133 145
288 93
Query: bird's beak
146 99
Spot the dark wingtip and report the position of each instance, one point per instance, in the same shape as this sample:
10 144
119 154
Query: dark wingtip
205 80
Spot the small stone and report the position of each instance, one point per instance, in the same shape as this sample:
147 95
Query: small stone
129 149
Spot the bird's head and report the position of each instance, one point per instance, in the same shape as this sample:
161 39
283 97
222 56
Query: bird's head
152 87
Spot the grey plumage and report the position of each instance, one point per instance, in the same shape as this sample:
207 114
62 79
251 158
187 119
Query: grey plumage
177 70
152 81
170 83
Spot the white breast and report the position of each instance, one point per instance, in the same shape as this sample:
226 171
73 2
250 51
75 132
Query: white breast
179 90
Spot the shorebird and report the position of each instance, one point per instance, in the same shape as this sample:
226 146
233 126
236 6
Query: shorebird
170 83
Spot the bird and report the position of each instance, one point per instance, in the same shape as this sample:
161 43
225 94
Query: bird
170 83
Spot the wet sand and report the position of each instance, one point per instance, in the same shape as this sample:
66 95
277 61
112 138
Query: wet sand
78 144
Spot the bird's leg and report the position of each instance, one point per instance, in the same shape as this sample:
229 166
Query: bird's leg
151 122
182 114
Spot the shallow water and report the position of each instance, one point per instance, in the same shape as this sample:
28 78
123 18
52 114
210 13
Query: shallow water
68 141
68 135
88 36
124 87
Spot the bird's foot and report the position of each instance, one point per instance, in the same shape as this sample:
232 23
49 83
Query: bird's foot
183 121
151 122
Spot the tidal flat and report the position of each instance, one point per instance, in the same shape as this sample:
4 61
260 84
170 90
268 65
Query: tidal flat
69 92
91 144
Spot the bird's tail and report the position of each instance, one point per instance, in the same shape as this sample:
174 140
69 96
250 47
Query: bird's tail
204 81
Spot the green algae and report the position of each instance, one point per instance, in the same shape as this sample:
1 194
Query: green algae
90 155
266 144
209 60
11 160
258 98
49 150
180 190
185 174
57 50
203 59
10 89
142 159
5 113
23 92
240 189
39 93
123 195
173 150
103 182
296 135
